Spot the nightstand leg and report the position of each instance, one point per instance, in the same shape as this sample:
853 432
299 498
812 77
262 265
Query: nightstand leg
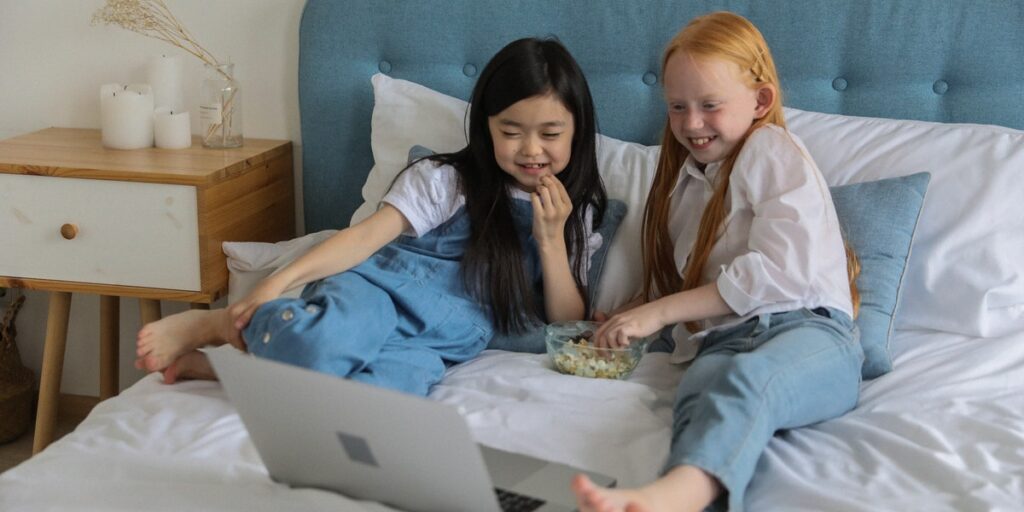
149 310
110 325
53 367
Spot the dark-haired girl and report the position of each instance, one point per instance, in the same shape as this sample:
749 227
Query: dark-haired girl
455 253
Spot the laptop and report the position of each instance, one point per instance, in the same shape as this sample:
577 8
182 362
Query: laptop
317 430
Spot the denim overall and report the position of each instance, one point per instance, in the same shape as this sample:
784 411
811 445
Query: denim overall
397 320
772 372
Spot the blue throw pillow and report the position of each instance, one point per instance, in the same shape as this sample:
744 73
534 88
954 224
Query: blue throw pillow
878 219
533 339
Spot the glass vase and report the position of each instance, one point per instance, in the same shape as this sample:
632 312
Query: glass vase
220 107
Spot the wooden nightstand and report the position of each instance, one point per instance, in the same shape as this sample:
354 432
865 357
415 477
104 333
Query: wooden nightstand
146 223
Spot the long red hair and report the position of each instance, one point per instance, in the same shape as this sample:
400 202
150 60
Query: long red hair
720 35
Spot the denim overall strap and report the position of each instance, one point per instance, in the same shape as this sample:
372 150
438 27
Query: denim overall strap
772 372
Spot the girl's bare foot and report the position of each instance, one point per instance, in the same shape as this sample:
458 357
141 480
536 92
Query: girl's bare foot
160 343
684 488
592 498
191 365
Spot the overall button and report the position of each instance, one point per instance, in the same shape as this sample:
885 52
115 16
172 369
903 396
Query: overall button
266 338
287 315
312 309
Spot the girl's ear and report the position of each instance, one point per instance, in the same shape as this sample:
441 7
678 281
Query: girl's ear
765 99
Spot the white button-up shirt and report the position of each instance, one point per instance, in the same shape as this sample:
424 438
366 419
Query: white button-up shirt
780 247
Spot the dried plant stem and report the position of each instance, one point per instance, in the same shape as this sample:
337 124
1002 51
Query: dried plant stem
227 116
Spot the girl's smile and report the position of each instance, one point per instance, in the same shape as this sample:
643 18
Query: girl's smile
701 143
534 169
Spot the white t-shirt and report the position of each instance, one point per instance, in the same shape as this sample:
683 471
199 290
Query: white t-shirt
427 194
781 247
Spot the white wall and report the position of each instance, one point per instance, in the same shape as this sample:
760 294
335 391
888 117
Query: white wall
52 63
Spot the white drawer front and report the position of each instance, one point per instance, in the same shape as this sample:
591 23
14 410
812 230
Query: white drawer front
133 234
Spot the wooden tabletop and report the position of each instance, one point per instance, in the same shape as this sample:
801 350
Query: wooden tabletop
79 152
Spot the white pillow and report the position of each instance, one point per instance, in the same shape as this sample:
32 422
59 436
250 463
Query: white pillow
966 269
406 114
248 262
627 169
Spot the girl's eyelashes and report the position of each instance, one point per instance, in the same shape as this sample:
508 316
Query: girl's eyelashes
707 105
549 135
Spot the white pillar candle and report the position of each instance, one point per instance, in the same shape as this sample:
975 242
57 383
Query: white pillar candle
164 74
172 129
126 116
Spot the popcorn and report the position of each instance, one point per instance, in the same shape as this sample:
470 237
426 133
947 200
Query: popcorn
578 357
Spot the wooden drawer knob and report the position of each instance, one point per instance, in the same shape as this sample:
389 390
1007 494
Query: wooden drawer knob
68 231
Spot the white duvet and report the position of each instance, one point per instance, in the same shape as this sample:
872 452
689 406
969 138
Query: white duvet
944 431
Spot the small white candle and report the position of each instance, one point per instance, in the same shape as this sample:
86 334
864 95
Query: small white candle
164 74
172 129
126 116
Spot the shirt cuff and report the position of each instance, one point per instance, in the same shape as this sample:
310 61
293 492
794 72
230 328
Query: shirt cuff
736 297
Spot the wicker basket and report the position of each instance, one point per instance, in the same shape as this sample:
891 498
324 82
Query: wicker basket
17 383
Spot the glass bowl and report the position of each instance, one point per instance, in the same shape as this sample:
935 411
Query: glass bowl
570 349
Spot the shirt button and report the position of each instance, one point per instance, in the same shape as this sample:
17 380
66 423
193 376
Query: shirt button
287 315
266 338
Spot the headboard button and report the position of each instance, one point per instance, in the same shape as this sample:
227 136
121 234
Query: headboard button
840 84
650 78
384 66
469 70
940 87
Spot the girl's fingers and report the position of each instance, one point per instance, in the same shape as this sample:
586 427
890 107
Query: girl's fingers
545 196
623 340
559 196
244 317
538 208
606 333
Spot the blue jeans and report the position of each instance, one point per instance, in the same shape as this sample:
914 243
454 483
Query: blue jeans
779 371
395 321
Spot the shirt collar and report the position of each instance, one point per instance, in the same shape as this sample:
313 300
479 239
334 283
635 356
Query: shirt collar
690 169
515 192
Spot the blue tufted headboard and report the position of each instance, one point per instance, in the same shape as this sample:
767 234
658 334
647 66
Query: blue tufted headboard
937 60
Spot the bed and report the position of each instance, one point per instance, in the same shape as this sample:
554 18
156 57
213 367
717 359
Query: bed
878 90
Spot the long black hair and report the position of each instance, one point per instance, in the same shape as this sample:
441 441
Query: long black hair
492 266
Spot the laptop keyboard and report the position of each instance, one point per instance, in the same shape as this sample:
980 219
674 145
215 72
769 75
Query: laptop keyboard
515 502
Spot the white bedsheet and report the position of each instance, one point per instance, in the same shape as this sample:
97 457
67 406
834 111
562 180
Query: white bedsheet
944 431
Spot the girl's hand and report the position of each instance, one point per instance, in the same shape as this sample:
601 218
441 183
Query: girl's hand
241 312
638 322
551 208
